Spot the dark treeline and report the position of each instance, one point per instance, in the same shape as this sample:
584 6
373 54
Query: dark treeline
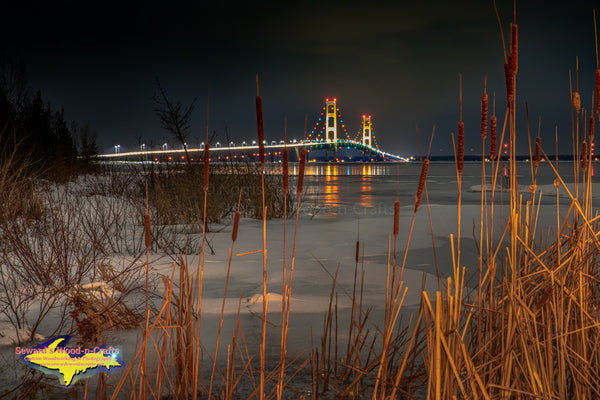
35 135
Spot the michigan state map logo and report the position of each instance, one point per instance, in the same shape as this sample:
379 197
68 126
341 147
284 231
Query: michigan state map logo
70 364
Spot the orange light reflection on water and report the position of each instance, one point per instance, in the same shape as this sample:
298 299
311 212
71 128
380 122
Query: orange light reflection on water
329 185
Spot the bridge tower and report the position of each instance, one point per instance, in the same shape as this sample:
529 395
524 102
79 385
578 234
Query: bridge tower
331 113
367 131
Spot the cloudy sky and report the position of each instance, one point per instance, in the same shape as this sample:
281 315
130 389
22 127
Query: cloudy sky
397 60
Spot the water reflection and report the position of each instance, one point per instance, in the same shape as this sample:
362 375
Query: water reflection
331 186
366 193
344 169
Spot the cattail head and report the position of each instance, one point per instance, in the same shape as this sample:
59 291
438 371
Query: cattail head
484 114
584 156
300 186
510 83
206 166
422 178
357 250
532 189
260 128
576 101
147 234
598 92
538 146
493 137
460 151
514 50
236 224
396 217
284 166
591 129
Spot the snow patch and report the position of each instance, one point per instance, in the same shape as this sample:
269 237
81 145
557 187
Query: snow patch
99 290
9 335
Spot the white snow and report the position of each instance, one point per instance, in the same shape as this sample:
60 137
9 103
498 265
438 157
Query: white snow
10 336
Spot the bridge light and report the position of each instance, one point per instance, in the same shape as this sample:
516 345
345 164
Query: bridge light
334 99
327 99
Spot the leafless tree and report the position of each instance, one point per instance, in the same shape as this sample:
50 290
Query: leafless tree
173 116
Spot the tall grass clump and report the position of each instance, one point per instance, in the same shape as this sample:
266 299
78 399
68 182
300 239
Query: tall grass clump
531 329
524 325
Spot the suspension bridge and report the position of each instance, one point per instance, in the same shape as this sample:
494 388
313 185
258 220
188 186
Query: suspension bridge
328 134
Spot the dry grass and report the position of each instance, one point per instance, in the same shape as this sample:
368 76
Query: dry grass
530 328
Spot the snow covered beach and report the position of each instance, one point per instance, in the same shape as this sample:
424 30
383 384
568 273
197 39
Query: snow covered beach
341 204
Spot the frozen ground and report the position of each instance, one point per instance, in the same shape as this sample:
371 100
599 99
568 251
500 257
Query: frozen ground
341 204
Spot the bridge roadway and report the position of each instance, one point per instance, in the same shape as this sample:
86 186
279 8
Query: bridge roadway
328 146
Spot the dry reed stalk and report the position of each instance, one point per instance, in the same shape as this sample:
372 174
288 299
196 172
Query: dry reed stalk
196 369
536 158
598 92
460 152
284 291
206 167
396 222
234 233
288 293
259 125
591 129
584 156
510 84
285 171
302 164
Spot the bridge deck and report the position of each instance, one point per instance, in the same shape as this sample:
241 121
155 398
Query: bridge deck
309 145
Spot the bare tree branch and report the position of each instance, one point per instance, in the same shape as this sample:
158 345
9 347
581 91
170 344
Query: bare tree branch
173 116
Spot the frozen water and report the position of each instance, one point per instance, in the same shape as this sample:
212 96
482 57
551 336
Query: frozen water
343 204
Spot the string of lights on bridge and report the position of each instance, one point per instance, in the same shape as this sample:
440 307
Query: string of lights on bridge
323 135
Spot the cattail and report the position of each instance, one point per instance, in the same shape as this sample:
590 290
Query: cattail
424 168
510 84
396 217
532 189
514 58
357 250
484 114
236 224
206 165
300 186
591 129
598 92
584 158
493 137
576 101
538 146
544 298
460 152
284 166
147 235
261 133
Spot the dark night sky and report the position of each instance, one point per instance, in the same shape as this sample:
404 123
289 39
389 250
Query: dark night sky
399 61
